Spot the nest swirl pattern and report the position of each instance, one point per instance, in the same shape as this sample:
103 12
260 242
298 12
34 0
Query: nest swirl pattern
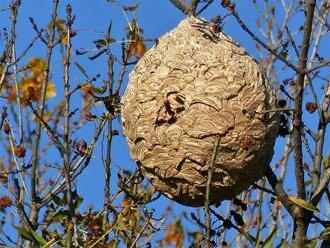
193 86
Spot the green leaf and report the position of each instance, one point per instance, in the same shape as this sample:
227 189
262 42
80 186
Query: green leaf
26 234
304 204
40 240
78 202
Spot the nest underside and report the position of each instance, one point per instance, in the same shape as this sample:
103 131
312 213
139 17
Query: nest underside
194 87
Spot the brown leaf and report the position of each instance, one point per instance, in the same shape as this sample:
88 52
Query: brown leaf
31 83
81 147
5 202
6 128
216 19
174 234
311 107
20 151
3 178
136 48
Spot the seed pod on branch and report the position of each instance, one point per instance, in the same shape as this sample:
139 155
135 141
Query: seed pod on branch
193 86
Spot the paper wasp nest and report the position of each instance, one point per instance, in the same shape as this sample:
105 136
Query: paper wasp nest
193 86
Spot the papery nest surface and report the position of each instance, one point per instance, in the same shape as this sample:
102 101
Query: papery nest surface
193 87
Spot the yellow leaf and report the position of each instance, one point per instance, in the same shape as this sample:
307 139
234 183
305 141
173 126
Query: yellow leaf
89 88
51 90
137 48
31 88
86 88
36 65
304 204
60 25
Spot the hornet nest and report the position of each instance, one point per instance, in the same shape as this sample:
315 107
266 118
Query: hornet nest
193 86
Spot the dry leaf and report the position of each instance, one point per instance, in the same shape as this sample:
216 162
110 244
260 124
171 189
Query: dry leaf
304 204
5 202
137 48
20 151
311 107
174 234
6 128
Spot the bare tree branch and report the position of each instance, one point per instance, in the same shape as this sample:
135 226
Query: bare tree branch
71 238
263 44
322 186
187 9
34 187
193 6
205 7
278 189
207 194
300 228
181 6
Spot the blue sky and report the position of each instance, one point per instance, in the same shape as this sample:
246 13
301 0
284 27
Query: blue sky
156 17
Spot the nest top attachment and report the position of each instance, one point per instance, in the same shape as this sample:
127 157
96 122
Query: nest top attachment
196 85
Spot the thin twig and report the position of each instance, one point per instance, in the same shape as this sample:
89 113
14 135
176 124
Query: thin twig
79 86
141 231
66 144
23 54
14 8
107 190
103 236
52 134
39 32
255 185
208 190
79 166
122 73
205 7
299 84
278 189
184 8
3 74
323 184
21 174
35 161
193 6
263 44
